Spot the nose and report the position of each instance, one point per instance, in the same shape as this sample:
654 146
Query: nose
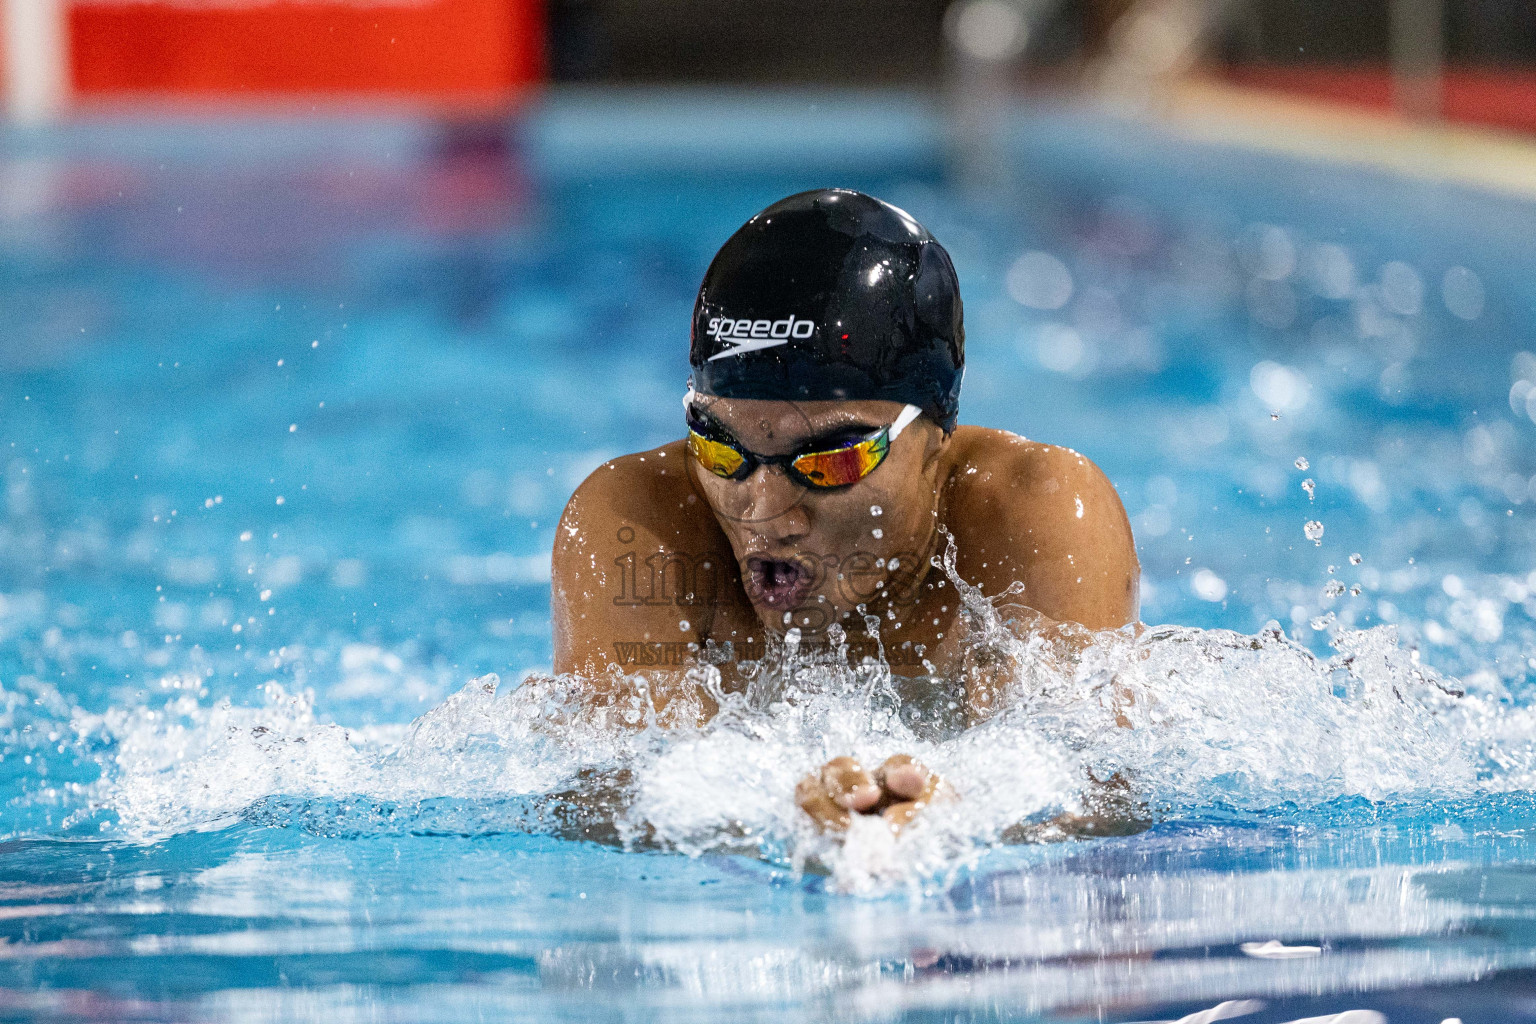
775 509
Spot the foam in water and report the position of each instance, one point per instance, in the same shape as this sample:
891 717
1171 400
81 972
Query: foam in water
1086 731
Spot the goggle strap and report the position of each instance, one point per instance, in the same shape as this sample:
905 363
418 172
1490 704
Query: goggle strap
908 414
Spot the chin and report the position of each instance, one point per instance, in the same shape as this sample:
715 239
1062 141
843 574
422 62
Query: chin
821 615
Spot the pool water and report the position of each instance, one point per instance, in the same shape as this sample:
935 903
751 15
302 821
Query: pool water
289 410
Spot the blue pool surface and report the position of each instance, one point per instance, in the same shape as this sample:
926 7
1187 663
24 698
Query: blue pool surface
289 409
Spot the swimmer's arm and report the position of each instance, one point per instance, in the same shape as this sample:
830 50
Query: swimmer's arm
1055 525
989 674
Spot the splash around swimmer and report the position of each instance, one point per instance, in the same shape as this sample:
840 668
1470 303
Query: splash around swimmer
822 471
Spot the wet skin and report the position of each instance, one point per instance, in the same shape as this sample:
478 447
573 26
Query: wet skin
654 554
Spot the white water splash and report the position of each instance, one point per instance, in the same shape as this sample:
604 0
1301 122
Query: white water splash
1149 725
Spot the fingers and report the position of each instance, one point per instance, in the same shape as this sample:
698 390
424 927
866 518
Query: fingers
897 791
905 778
849 784
813 798
829 795
911 784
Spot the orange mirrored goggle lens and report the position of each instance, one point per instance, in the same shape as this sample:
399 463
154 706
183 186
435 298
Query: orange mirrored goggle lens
843 466
719 459
837 467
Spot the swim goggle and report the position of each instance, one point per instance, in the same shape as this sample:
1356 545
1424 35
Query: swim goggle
812 465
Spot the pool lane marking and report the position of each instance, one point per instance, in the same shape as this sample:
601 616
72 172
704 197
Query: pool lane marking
1212 112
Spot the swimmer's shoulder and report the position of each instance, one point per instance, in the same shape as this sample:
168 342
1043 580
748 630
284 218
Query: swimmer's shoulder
989 465
628 553
645 499
658 470
1045 515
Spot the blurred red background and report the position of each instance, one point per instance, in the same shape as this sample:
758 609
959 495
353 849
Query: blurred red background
456 52
486 53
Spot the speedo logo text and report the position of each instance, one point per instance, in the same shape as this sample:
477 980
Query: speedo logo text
750 335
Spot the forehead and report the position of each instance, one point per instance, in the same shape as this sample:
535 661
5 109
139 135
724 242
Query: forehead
748 417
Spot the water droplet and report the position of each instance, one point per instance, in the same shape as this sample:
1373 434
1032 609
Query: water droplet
894 563
683 625
1355 558
1334 588
877 533
1208 586
1310 487
1355 590
876 510
1314 531
1302 463
1322 622
1274 415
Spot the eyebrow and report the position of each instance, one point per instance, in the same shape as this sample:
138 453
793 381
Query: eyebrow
843 422
846 420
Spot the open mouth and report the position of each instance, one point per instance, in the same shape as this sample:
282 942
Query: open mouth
777 583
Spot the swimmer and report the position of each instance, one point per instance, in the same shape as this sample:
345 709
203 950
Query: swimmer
821 471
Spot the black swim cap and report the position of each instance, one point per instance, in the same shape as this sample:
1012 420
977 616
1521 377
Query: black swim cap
831 294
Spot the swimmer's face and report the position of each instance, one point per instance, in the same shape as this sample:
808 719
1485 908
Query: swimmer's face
817 554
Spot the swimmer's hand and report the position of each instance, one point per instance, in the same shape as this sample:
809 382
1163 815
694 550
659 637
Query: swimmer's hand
897 791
